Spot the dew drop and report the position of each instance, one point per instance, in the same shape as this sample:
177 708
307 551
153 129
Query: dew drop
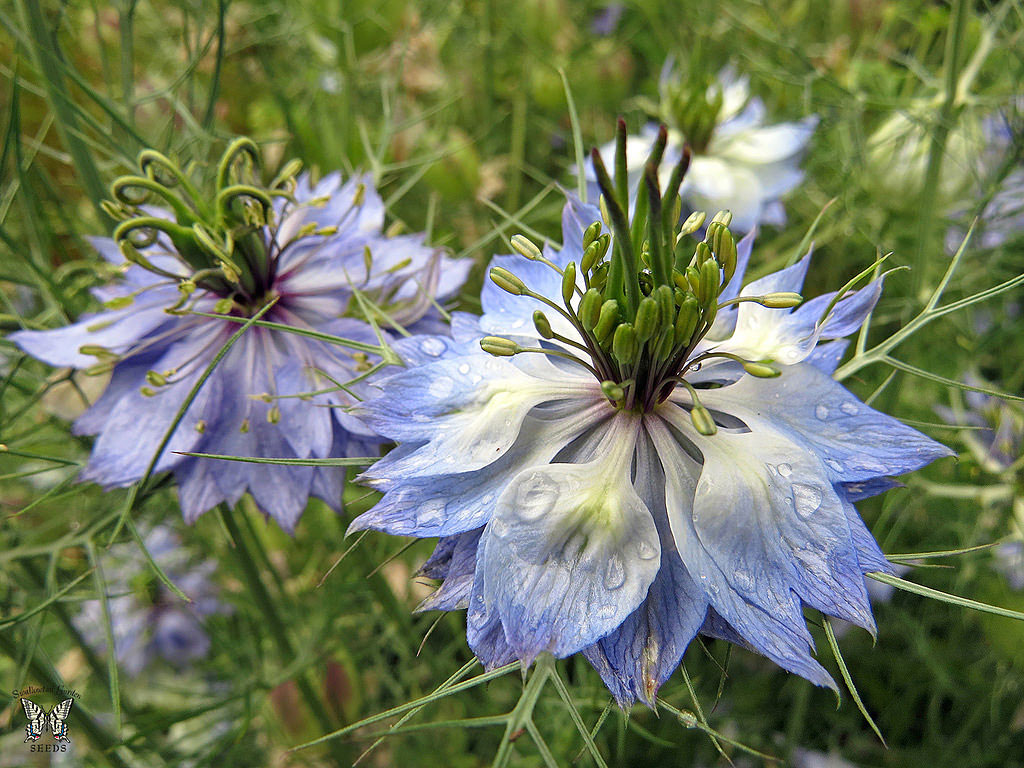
784 469
536 497
849 409
464 369
614 573
645 551
807 499
821 412
432 347
834 465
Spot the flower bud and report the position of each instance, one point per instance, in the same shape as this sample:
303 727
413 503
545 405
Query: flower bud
499 347
590 233
540 322
505 280
625 345
590 309
525 246
647 316
568 283
780 300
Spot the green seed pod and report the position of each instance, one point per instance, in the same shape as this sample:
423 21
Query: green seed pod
590 233
589 310
702 421
607 320
647 317
499 347
625 345
568 283
686 320
780 300
505 280
540 322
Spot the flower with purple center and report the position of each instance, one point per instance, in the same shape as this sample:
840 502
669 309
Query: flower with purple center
315 253
147 622
738 164
629 448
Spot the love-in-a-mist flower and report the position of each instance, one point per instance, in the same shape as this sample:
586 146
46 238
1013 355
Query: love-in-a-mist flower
148 622
739 163
315 253
627 449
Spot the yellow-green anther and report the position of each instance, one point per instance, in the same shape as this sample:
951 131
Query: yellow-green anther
761 370
526 247
201 426
590 233
693 222
702 421
396 228
119 302
682 284
612 391
505 280
710 312
625 345
647 316
231 274
367 260
686 319
701 254
676 212
540 322
359 196
723 217
274 415
223 306
606 217
100 368
607 319
589 310
568 283
726 256
590 257
95 350
156 379
147 392
499 347
604 241
187 287
693 280
307 229
780 300
664 295
709 282
244 428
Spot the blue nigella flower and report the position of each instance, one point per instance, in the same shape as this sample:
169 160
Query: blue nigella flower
146 620
738 163
317 249
629 448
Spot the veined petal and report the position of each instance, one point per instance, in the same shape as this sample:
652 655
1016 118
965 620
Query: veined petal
571 550
855 442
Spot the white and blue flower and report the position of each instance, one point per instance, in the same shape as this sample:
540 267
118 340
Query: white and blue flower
318 250
739 163
667 454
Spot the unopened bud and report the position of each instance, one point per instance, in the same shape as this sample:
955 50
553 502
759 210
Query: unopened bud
780 300
541 323
607 320
505 280
647 316
499 347
590 233
525 246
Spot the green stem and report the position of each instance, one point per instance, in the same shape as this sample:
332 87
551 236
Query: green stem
286 648
523 711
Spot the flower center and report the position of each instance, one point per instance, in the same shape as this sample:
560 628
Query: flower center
692 106
649 294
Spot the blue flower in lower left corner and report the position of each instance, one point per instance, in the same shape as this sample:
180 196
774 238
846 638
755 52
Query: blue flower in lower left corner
628 449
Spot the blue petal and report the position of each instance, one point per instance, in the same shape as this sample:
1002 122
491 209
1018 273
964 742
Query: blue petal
454 592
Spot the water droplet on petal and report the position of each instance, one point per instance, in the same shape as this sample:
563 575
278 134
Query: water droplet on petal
464 369
614 573
645 550
834 465
849 409
784 469
536 497
432 347
821 412
807 499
